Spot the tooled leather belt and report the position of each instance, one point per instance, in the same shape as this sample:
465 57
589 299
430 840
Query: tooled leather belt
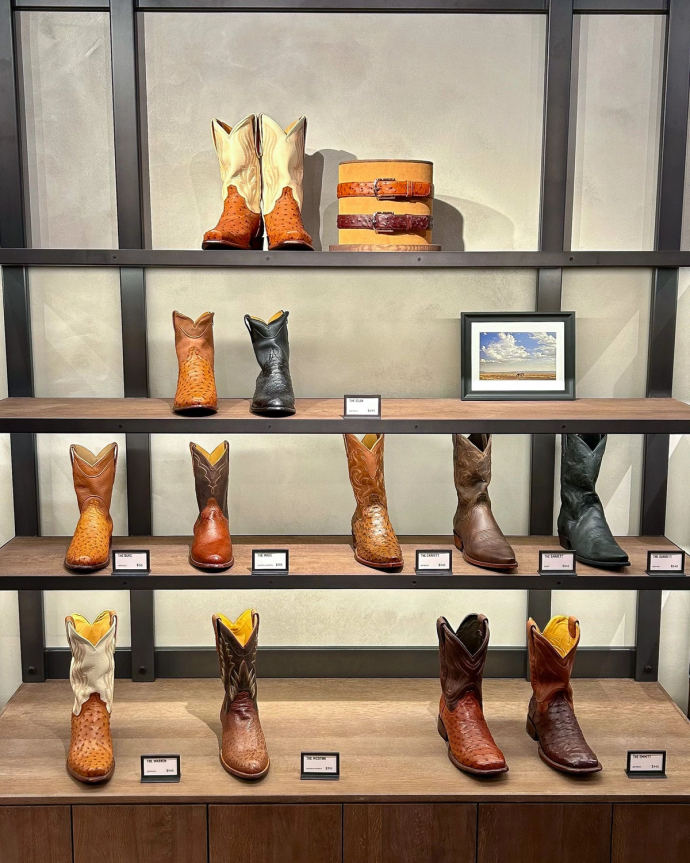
387 223
386 188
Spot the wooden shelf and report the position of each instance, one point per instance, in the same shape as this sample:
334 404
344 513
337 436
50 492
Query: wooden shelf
324 416
385 731
321 562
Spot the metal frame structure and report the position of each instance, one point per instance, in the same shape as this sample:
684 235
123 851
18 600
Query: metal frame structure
143 661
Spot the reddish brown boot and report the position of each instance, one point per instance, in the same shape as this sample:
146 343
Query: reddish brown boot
212 545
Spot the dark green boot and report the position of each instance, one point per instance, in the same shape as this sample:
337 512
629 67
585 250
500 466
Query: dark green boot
581 522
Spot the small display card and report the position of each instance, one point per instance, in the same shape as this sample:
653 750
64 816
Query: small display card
320 765
275 560
434 561
132 562
666 562
648 763
160 768
557 563
362 406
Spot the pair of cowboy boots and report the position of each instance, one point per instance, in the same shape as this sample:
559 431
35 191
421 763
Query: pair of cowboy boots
196 383
262 170
551 714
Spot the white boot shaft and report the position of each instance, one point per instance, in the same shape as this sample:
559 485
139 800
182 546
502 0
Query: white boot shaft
93 665
282 160
239 159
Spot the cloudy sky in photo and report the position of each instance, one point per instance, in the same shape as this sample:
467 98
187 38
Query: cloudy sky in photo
517 352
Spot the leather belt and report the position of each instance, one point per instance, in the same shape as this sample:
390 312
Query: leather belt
386 188
387 223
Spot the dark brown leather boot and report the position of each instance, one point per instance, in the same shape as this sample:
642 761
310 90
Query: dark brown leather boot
196 382
551 715
212 545
375 541
475 530
460 717
243 749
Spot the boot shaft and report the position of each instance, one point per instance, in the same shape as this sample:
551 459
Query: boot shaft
581 457
551 658
236 644
92 669
282 160
238 157
462 656
365 464
194 334
211 475
472 471
270 340
93 475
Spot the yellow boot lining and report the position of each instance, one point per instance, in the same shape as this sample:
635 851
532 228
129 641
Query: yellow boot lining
93 632
87 456
215 455
270 320
557 632
241 628
370 440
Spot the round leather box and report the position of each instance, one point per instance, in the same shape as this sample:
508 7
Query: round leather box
368 172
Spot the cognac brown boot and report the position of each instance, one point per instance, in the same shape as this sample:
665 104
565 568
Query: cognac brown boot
551 715
460 717
196 382
282 171
375 541
243 749
93 476
212 546
92 675
475 530
240 225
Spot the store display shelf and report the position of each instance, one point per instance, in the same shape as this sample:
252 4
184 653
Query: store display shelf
325 416
319 562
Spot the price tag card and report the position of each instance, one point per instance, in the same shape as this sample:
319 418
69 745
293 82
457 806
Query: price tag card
434 561
275 560
666 562
320 765
557 563
160 768
362 406
648 763
132 562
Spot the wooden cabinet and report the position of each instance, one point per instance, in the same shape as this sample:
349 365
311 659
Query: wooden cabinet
410 833
35 834
651 833
280 833
139 834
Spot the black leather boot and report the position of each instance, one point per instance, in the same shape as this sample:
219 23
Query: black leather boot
273 395
581 522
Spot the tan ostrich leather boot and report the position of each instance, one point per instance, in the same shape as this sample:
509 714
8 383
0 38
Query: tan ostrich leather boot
282 171
196 382
461 722
243 749
240 225
93 476
92 674
375 541
212 545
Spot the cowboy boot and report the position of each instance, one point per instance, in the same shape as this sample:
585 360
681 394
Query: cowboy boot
212 546
240 225
551 714
374 538
460 717
92 674
196 382
273 395
243 749
581 522
475 530
282 170
93 477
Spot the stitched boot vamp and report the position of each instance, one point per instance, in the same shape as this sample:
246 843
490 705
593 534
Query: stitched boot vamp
375 539
237 227
274 384
481 537
196 383
284 224
243 749
469 737
91 747
90 545
212 545
560 735
591 536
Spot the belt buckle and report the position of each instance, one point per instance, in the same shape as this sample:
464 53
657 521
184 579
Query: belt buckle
375 221
376 189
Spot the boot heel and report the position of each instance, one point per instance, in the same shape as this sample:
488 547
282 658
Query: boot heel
565 542
442 729
257 244
531 730
457 541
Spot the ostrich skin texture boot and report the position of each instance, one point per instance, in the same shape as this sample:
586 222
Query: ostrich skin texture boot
581 522
475 530
92 675
243 749
240 225
375 542
273 395
551 715
196 383
461 722
282 172
93 477
212 545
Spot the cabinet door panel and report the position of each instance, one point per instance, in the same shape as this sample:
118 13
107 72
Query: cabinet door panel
658 832
35 834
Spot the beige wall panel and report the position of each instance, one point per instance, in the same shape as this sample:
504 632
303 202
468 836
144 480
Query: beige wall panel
67 100
617 130
480 122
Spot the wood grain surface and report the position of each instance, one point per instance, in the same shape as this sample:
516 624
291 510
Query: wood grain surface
651 833
35 834
385 731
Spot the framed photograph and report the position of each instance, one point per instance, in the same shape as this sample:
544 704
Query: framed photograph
518 355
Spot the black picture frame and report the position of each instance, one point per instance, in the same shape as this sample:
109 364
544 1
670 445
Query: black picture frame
646 774
152 779
665 572
284 551
346 415
120 571
327 776
468 319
